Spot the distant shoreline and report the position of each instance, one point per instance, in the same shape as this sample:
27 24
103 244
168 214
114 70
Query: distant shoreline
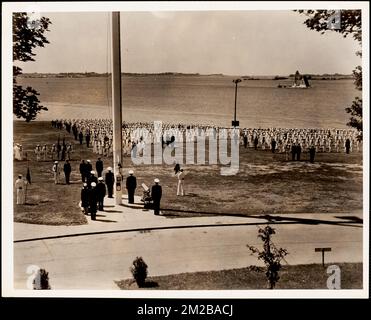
325 76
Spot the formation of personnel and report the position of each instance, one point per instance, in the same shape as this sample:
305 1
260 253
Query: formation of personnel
98 135
92 196
54 152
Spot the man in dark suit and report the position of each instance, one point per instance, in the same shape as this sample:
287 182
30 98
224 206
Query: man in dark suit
156 194
99 167
131 185
67 171
110 180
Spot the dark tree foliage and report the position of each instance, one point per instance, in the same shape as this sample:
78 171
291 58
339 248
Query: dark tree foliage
350 24
270 255
27 35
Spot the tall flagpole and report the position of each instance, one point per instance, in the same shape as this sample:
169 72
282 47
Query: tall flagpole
116 105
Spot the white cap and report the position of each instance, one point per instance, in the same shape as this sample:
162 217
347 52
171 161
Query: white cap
93 184
131 172
100 179
55 161
92 172
157 180
88 160
109 168
85 184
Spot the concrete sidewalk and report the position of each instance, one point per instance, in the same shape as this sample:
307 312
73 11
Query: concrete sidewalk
125 217
95 255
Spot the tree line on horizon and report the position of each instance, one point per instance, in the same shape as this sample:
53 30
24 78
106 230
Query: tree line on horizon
28 35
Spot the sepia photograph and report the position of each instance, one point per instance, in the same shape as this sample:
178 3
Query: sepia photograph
185 150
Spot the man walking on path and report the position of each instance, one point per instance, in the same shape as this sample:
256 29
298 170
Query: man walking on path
101 193
131 185
110 180
20 186
99 167
67 171
180 189
156 194
56 172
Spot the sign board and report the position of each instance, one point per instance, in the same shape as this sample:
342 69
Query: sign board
322 249
235 123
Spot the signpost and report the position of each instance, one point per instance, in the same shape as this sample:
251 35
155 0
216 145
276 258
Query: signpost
323 250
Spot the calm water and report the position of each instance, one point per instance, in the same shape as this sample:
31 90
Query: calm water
199 99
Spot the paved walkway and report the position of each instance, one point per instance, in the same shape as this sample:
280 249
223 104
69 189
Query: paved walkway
93 256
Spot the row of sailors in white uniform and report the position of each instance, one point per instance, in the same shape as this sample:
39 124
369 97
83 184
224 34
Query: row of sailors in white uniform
43 152
324 139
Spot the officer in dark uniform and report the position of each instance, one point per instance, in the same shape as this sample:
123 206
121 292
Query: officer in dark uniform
256 141
99 167
131 185
110 180
298 151
347 146
85 199
93 199
273 143
88 169
156 194
82 169
312 152
293 151
67 171
81 136
92 178
101 193
245 141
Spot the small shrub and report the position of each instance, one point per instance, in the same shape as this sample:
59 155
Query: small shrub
41 281
271 256
139 271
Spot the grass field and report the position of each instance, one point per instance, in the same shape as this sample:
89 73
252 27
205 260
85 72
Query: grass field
310 276
266 183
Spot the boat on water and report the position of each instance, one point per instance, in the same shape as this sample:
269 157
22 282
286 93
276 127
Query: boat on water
300 82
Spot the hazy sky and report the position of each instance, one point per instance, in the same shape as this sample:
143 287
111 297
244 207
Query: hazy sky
229 42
